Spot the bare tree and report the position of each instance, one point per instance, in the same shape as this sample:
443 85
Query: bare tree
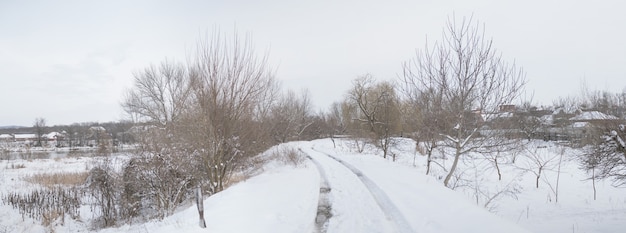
201 121
291 116
160 94
358 134
422 120
378 108
472 80
40 126
537 162
229 84
160 174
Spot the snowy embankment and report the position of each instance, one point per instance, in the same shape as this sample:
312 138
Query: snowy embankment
284 198
362 193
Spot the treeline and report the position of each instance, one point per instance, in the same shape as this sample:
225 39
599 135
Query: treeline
73 135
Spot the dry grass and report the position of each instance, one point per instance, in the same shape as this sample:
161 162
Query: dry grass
236 178
55 179
289 156
50 216
16 166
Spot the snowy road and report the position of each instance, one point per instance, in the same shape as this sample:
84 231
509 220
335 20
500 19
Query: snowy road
371 194
354 209
394 220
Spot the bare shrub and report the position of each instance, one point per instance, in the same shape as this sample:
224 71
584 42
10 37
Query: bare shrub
103 189
155 184
50 180
17 166
289 156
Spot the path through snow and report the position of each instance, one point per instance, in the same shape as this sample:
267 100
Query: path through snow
393 215
324 206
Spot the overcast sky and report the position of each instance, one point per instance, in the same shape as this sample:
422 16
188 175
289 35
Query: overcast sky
71 61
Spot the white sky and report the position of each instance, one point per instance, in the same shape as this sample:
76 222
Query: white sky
71 61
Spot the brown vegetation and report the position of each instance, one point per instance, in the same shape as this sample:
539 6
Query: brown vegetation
50 180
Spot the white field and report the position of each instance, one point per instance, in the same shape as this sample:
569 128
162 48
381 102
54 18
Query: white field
370 194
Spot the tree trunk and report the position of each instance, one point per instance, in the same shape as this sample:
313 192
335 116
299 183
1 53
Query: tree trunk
457 155
537 180
593 181
428 160
558 177
498 169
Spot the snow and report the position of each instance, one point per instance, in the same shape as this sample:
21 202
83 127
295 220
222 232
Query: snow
424 202
281 200
25 136
547 119
493 116
580 124
52 135
367 194
593 115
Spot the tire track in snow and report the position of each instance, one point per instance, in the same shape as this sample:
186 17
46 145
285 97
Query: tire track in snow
386 205
324 206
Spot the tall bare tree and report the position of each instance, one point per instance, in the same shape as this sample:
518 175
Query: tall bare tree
200 121
40 126
160 94
472 80
229 84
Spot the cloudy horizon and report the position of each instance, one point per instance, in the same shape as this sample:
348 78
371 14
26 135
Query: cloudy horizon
71 61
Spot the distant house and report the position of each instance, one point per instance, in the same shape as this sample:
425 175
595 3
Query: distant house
508 108
587 124
98 136
594 117
6 138
97 129
54 139
25 138
53 136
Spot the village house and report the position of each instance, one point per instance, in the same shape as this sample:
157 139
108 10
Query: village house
587 124
55 139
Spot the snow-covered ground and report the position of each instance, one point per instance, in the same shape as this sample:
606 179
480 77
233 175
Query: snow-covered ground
535 209
367 193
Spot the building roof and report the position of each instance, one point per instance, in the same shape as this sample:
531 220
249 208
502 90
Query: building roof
5 136
97 128
52 135
580 124
25 136
593 115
